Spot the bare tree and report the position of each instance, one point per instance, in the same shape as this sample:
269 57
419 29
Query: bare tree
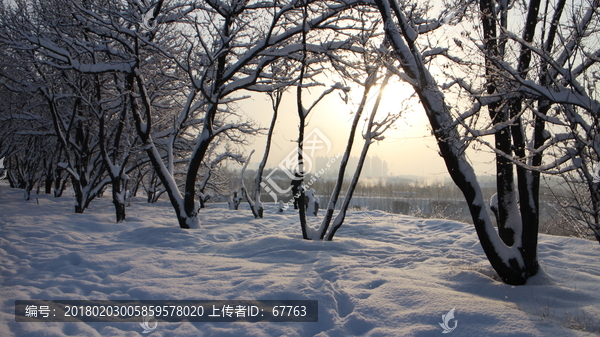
361 66
374 131
215 179
275 85
402 34
117 146
513 252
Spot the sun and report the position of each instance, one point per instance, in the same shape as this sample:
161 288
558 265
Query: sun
395 98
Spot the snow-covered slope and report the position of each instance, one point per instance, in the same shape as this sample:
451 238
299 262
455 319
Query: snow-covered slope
384 275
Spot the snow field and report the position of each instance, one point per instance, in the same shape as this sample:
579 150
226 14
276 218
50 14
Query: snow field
383 275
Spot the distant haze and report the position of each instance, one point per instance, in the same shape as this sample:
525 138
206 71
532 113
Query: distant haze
408 149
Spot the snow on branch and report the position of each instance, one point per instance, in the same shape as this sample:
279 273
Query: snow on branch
53 51
568 75
334 87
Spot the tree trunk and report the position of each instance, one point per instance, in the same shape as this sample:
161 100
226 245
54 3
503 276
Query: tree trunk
59 185
506 215
276 101
28 188
342 171
78 196
507 261
199 152
302 116
171 187
254 207
118 199
48 184
339 219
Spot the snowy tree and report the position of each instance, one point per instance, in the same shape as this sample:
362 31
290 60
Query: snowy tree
215 178
152 184
374 131
220 47
359 65
24 121
63 92
554 75
224 55
506 94
248 37
275 85
116 146
566 91
24 165
310 65
75 128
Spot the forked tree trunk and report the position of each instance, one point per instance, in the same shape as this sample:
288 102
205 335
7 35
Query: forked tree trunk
510 263
369 134
370 81
302 113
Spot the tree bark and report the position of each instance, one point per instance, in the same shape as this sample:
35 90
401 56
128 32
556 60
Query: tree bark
508 262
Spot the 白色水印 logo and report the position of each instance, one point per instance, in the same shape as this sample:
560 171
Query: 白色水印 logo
146 326
446 322
148 21
291 167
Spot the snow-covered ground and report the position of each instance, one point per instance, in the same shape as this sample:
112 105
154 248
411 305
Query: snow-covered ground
384 275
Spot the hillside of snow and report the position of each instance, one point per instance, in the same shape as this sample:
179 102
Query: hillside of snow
384 275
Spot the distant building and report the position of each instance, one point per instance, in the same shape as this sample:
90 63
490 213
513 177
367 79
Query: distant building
376 167
351 167
321 164
366 171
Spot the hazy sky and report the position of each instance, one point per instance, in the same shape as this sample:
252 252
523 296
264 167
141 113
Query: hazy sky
409 148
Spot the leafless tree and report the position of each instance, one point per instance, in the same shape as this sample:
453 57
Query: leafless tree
520 141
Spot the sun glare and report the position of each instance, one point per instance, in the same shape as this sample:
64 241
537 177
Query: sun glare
395 98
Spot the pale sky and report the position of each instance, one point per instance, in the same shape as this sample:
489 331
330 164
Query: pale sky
409 148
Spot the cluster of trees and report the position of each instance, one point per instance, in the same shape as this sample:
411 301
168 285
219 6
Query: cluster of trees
117 91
